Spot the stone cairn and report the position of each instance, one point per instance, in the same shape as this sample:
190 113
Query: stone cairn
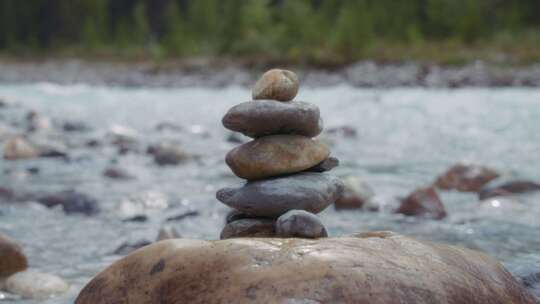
283 165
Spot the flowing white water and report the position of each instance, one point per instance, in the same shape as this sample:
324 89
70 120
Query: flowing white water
406 137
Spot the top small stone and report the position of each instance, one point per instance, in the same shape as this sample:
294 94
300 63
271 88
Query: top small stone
276 84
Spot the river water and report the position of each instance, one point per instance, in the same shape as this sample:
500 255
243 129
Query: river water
405 138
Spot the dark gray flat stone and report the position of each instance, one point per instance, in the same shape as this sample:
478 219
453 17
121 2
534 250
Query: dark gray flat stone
268 117
308 191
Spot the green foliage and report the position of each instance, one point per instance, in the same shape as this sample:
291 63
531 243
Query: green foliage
298 30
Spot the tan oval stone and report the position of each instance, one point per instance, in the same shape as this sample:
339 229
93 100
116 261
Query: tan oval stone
276 84
12 258
276 155
18 148
35 285
371 268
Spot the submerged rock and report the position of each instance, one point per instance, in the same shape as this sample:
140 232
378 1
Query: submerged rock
355 194
465 178
117 173
508 188
300 223
71 202
275 155
276 84
370 268
167 233
268 117
312 192
35 285
423 202
12 258
248 227
18 148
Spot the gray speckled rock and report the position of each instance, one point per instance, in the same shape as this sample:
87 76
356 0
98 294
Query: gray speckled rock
268 117
275 155
276 84
308 191
300 223
249 227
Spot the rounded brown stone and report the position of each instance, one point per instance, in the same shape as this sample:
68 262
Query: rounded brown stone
12 258
370 268
275 155
423 202
276 84
268 117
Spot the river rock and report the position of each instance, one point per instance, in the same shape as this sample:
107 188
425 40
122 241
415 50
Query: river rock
300 223
370 268
12 258
35 285
355 194
168 154
18 148
423 202
308 191
326 165
114 172
508 188
277 84
71 202
167 233
248 227
275 155
465 178
268 117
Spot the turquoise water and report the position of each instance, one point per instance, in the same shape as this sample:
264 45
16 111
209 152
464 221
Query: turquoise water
405 138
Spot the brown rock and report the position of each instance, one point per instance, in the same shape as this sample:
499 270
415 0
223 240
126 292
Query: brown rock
275 155
371 268
18 148
466 178
355 194
423 202
248 227
276 84
12 258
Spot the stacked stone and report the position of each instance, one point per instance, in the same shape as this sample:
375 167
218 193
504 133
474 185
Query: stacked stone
283 165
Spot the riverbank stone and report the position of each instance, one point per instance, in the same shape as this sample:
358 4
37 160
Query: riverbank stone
312 192
12 258
268 117
35 285
300 223
424 203
275 155
276 84
369 268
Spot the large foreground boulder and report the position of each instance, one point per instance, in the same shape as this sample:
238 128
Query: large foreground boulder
374 268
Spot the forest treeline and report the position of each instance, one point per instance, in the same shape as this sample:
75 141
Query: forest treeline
317 30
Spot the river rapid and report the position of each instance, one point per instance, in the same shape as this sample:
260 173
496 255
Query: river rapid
405 137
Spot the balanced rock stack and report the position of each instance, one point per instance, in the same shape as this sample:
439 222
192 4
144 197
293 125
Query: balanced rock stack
283 165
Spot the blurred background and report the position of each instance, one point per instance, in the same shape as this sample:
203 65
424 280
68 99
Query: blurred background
318 32
111 133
